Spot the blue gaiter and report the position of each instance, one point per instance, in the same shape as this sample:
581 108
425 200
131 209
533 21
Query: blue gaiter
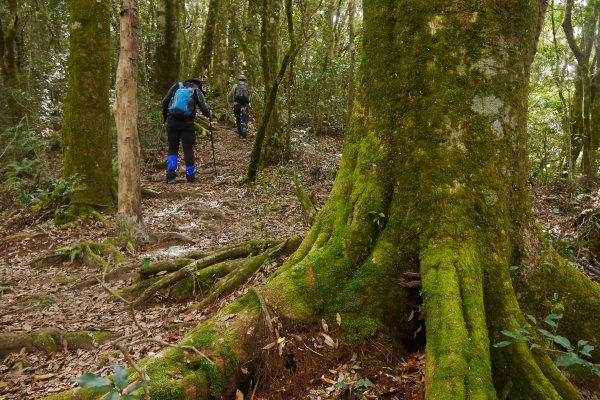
171 163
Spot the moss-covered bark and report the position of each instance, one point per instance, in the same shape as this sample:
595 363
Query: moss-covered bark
433 178
203 60
86 124
167 60
8 61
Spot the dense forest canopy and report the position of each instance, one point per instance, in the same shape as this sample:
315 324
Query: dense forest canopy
407 186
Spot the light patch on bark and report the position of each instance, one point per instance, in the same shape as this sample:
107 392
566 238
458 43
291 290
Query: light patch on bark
489 105
455 140
497 128
76 25
487 66
490 197
457 187
435 24
508 118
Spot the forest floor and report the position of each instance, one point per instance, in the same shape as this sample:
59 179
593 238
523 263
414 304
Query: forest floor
216 211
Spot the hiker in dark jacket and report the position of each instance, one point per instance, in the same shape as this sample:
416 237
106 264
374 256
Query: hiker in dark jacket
240 95
179 111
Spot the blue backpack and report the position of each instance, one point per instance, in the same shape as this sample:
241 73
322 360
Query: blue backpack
182 102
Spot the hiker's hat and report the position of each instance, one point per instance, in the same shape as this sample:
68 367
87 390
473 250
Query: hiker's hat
198 82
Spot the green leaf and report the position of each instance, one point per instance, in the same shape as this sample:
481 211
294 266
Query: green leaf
119 377
562 341
341 385
582 343
586 350
365 383
534 346
114 396
552 318
146 262
546 333
359 395
532 319
509 334
130 397
502 344
596 370
90 380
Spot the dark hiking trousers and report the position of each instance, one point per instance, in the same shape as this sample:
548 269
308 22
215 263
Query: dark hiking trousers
182 129
242 125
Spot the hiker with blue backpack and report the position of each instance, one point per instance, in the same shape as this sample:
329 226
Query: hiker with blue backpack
240 95
179 111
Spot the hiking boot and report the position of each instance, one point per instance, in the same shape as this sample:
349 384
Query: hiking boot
190 178
171 175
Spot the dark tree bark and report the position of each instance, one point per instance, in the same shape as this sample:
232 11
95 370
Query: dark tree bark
202 64
167 63
8 61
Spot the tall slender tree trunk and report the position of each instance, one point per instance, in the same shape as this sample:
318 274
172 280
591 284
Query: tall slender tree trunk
8 62
129 216
86 124
352 67
202 64
577 120
167 63
273 145
582 53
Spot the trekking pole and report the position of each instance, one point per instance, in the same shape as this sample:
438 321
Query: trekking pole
212 142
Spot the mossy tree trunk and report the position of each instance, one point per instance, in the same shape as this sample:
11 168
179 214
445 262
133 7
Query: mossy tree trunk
352 45
8 61
262 133
167 63
86 124
129 217
273 144
202 64
443 158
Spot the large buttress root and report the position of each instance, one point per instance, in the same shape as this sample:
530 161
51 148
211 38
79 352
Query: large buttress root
469 300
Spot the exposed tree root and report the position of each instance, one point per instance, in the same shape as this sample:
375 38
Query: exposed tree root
76 212
215 273
28 303
89 253
51 340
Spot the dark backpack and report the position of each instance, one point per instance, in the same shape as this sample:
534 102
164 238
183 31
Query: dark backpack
241 94
182 102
